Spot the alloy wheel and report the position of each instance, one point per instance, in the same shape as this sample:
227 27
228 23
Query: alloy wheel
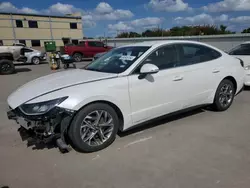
77 57
226 95
36 60
5 67
96 128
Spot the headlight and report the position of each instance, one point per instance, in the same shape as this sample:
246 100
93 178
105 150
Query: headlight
247 67
42 107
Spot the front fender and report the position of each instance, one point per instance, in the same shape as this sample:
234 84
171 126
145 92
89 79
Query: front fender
95 99
122 105
114 91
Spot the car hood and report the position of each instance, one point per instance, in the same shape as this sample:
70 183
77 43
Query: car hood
53 82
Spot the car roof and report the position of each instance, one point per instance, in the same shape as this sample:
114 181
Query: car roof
163 42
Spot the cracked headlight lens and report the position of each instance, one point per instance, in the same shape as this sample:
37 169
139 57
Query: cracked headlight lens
42 107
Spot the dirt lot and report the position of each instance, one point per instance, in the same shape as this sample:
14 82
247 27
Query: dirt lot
200 149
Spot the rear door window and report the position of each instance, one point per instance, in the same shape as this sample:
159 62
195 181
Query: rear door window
95 44
92 44
81 43
99 44
194 53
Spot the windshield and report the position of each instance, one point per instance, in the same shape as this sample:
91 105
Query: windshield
117 60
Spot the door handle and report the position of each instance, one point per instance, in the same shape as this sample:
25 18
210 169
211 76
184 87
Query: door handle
216 71
177 78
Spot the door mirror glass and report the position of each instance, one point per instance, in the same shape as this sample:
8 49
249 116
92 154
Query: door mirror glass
149 69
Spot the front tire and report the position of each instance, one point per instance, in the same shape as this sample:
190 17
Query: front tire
224 95
6 67
35 60
94 128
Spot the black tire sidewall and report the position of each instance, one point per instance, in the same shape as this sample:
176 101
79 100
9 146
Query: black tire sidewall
78 54
11 69
33 60
217 105
74 129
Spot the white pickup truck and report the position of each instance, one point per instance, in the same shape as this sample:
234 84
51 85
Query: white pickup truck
8 54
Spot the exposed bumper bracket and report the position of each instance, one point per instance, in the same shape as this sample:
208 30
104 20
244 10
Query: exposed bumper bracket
45 132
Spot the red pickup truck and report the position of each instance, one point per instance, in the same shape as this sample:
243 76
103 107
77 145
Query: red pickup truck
85 49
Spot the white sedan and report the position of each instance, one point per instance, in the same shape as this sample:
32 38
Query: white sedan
242 51
125 87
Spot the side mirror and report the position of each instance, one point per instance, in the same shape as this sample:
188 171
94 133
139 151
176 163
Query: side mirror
149 69
105 45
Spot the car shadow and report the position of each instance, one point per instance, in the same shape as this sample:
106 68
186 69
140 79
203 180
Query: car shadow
25 64
247 88
162 120
40 145
18 70
34 143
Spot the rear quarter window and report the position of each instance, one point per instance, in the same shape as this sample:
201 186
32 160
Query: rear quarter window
196 53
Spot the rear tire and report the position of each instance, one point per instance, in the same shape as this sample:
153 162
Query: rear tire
86 124
6 67
77 57
224 95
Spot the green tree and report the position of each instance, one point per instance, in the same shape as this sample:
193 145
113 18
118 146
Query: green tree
180 31
155 33
134 34
123 35
223 28
246 30
128 35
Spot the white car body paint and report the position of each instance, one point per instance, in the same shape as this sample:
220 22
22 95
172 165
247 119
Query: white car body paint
246 60
54 82
247 78
139 100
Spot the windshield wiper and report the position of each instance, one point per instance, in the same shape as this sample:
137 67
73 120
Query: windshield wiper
92 69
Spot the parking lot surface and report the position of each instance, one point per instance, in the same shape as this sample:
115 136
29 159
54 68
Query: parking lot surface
198 149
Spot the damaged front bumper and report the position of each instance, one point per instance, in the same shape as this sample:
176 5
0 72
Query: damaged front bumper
45 128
